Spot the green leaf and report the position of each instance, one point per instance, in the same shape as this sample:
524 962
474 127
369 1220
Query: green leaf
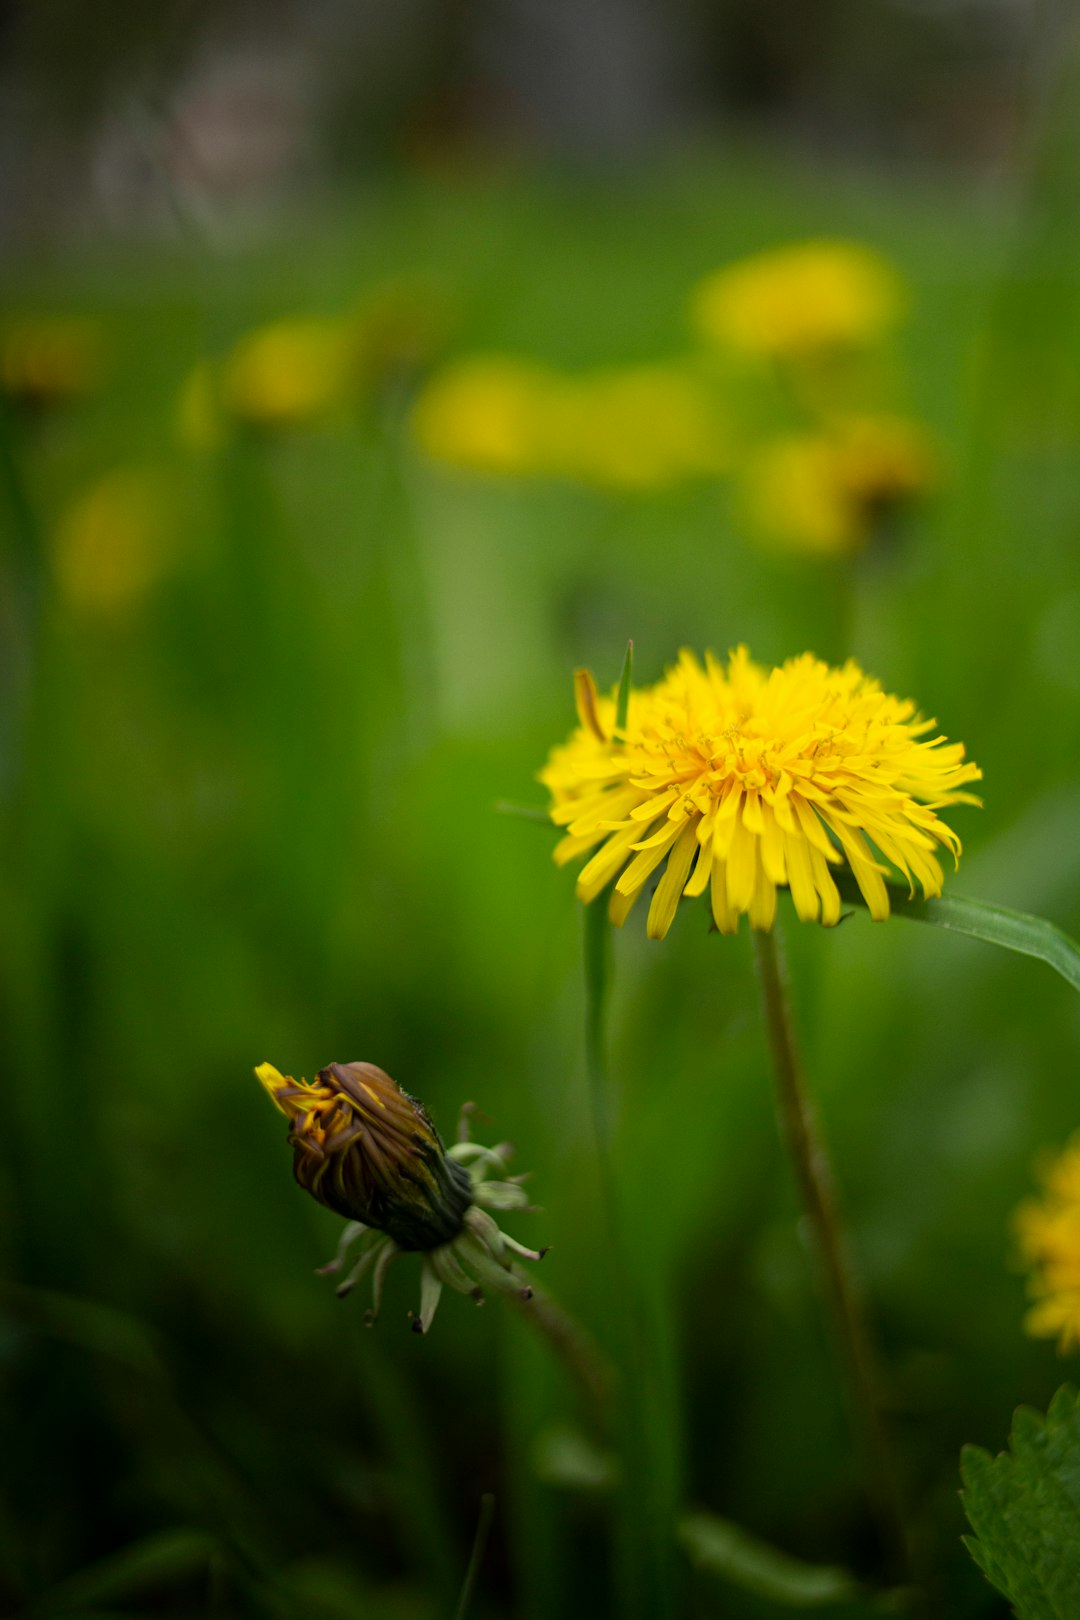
155 1563
1012 930
722 1548
1024 1506
622 702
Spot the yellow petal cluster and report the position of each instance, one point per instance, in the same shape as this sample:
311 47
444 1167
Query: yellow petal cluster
745 780
630 428
117 540
1048 1234
822 492
799 301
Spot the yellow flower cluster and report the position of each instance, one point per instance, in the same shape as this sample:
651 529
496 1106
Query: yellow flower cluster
745 780
308 369
800 300
826 489
1048 1233
637 428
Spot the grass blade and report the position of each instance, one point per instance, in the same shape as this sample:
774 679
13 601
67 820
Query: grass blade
622 702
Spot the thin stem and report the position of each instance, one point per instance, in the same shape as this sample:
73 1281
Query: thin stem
813 1172
476 1557
573 1345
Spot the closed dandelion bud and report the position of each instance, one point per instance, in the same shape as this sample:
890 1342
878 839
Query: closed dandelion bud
369 1151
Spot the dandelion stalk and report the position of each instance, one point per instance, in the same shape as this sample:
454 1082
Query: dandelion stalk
813 1173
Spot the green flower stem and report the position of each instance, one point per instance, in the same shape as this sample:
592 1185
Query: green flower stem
813 1173
646 1519
572 1345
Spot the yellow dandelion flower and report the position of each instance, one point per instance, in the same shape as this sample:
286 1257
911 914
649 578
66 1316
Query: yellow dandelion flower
116 540
636 428
745 780
824 492
799 301
1048 1234
489 414
625 428
49 360
288 373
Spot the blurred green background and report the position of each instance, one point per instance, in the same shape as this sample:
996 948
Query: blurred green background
248 812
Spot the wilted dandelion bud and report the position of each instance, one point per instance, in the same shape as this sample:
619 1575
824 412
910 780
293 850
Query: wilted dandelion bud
369 1151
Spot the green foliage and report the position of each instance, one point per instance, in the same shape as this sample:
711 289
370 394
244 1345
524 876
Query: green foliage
1024 1506
724 1549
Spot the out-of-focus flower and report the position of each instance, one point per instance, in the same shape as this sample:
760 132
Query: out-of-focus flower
288 372
369 1151
826 492
397 329
49 360
746 779
799 301
490 414
1048 1233
116 540
200 418
634 428
637 428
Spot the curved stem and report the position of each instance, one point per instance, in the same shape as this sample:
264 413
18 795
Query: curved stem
813 1173
573 1345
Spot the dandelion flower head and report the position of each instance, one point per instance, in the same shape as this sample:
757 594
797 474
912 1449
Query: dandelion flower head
370 1152
630 428
49 359
799 301
1048 1233
745 780
116 541
823 492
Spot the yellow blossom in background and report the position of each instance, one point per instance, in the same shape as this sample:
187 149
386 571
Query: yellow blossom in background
1048 1233
799 301
824 492
49 360
631 428
745 779
288 372
200 421
487 414
636 428
116 540
397 328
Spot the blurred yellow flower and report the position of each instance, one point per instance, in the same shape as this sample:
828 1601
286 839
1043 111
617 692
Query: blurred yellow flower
635 428
48 360
824 492
747 779
799 301
487 413
1048 1233
116 540
289 372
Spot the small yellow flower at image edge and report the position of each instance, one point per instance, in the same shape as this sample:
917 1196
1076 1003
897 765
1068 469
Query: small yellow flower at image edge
367 1150
746 780
1047 1231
